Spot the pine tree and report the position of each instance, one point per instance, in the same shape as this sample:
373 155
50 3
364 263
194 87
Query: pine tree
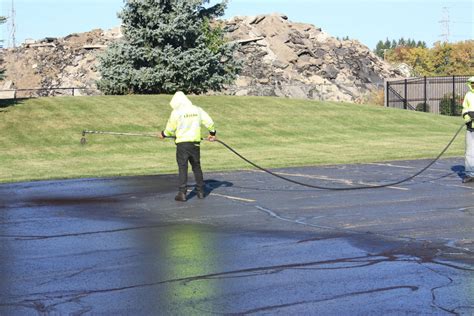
168 45
394 44
379 49
402 42
421 44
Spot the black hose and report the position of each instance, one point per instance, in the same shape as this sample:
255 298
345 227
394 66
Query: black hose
288 179
349 188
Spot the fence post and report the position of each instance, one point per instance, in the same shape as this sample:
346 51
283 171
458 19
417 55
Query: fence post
72 91
387 100
405 102
453 100
424 94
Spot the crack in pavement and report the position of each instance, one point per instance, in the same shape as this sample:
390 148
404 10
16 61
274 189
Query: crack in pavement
33 237
248 272
360 233
433 290
351 294
69 276
275 215
355 232
356 262
300 222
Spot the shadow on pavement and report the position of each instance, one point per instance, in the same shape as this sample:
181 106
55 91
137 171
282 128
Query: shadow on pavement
210 185
460 171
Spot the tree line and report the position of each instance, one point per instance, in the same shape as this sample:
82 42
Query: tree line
443 59
383 46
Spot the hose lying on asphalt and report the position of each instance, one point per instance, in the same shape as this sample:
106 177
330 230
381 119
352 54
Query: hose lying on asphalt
294 181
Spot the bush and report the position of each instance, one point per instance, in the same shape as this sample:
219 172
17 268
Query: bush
445 107
421 107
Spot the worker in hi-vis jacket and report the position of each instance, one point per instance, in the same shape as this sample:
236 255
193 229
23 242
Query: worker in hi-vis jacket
185 124
468 116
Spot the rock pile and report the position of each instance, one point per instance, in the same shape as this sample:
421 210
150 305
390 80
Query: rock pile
282 58
54 63
279 58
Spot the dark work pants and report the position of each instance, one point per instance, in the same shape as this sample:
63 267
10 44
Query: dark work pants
189 152
469 157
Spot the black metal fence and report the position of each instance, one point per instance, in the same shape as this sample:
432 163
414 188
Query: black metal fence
441 95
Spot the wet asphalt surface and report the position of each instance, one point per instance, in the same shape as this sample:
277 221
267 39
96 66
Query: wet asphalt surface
255 245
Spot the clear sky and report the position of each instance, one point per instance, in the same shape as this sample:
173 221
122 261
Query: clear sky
365 20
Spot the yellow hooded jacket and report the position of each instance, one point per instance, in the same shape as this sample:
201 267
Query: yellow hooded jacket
468 103
186 119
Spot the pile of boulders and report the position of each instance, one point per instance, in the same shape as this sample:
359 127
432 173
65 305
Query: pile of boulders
279 58
54 63
282 58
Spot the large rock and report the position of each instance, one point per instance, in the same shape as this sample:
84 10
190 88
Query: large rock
280 58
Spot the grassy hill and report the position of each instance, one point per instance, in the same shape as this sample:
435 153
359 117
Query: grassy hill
40 138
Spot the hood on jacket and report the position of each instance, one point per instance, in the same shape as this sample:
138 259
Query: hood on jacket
469 82
180 100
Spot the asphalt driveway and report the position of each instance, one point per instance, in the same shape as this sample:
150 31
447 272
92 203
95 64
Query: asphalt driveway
255 245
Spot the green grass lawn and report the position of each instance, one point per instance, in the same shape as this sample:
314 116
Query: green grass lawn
40 138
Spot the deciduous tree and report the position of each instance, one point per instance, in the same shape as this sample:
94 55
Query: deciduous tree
443 59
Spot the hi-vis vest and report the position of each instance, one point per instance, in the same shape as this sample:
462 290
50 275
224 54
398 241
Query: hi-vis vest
468 105
186 119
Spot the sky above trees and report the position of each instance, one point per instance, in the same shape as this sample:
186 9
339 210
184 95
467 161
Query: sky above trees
365 20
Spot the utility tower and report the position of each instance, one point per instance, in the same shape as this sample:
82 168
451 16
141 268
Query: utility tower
11 26
445 25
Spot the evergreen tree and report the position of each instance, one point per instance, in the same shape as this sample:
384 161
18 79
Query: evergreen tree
394 44
168 45
421 44
379 49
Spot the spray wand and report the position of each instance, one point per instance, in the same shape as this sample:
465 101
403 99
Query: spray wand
84 132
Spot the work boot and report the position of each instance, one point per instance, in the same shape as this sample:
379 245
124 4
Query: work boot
200 194
467 179
180 197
